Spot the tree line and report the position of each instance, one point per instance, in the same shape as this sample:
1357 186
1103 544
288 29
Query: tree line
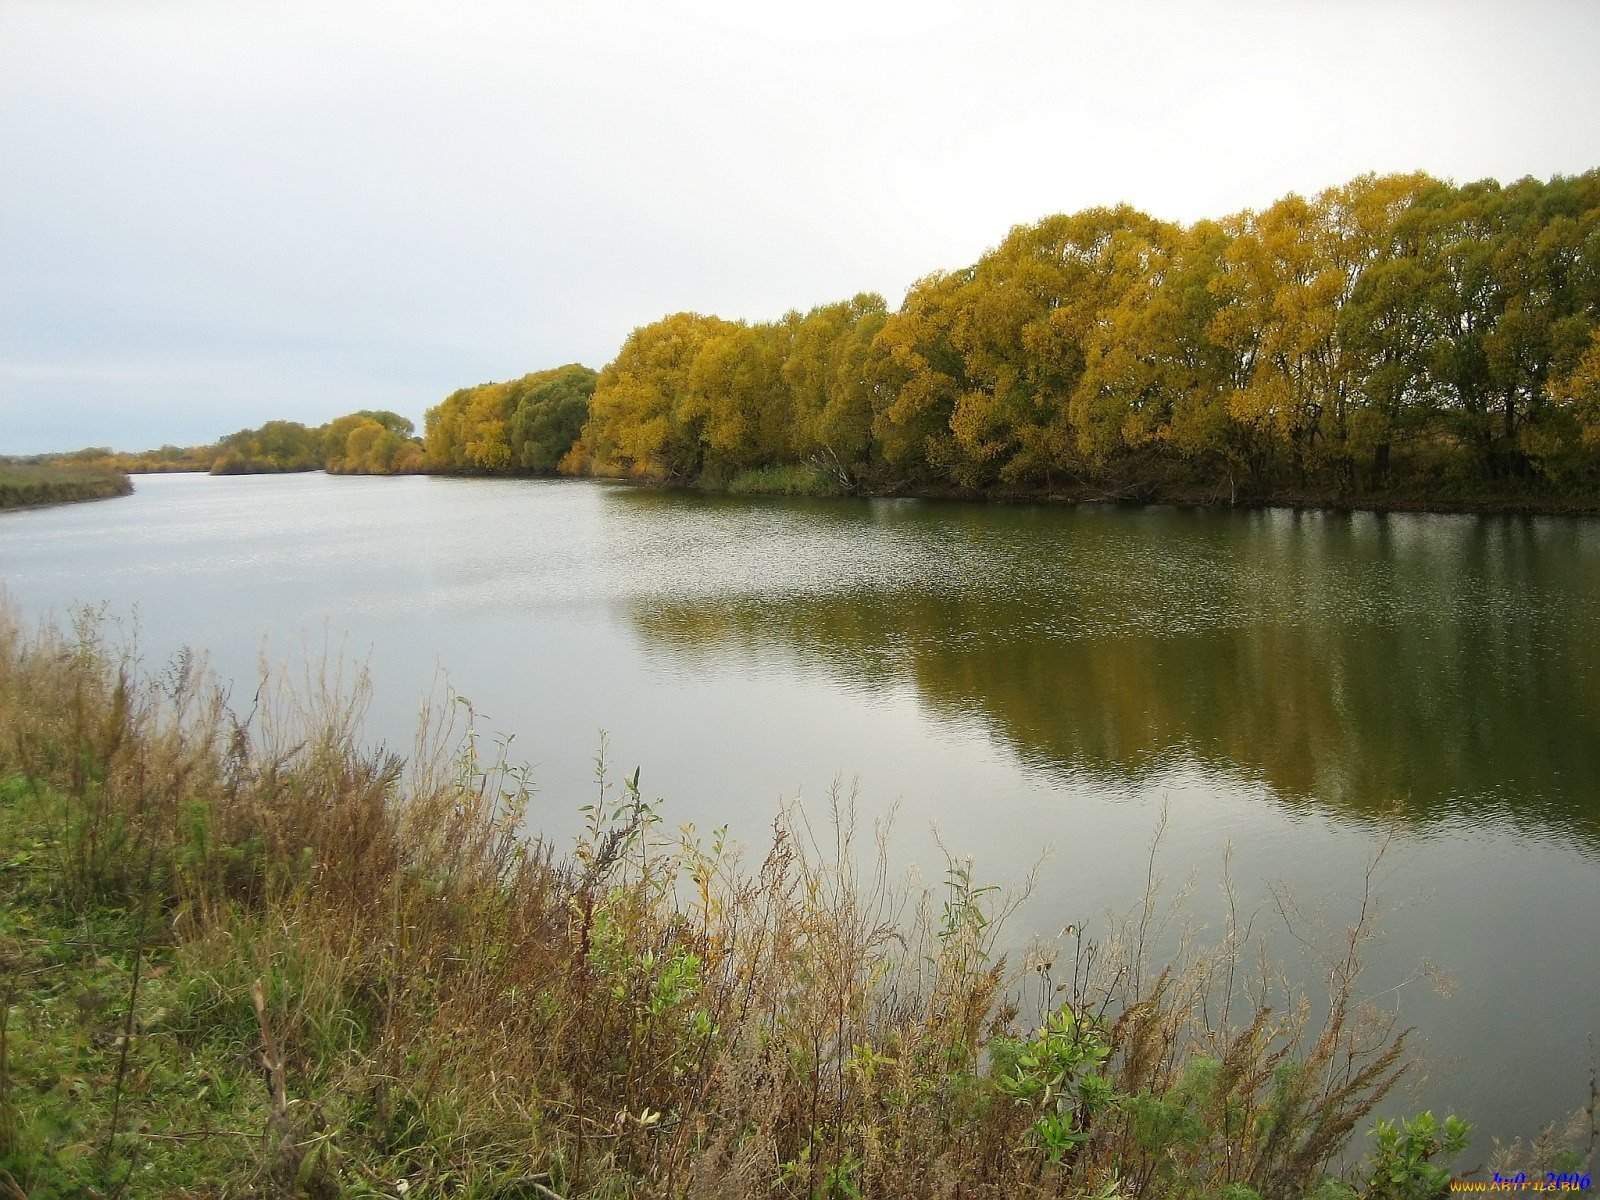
528 425
1397 334
1393 333
368 442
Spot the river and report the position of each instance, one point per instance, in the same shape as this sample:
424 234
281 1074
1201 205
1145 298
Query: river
1295 691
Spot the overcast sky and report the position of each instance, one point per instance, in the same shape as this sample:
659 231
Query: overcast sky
217 213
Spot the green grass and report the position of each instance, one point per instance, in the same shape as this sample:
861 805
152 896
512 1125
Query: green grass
26 485
796 479
113 1077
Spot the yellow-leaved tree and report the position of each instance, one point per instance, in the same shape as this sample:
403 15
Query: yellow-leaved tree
644 418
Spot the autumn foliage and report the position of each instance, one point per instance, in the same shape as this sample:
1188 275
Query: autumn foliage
1394 334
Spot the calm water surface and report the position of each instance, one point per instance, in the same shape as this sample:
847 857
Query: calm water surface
1288 685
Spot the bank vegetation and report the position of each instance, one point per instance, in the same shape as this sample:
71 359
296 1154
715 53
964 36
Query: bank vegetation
244 954
29 485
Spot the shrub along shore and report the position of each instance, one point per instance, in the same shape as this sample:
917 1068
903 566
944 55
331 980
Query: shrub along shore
250 956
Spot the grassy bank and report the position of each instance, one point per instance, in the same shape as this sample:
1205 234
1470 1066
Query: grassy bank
246 955
799 479
28 485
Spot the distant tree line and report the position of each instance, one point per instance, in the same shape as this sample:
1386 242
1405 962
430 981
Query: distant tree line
361 443
166 459
1394 335
368 442
529 426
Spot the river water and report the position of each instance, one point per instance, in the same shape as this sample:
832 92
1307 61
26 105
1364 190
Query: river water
1295 691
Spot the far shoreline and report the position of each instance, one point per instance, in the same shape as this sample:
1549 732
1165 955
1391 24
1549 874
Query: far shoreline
1308 500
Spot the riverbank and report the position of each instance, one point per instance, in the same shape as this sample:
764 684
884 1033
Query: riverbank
804 482
253 954
37 486
1307 499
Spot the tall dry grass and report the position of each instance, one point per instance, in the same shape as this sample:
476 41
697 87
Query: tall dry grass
430 1000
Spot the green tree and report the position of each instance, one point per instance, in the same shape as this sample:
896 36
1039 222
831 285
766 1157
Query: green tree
548 411
275 446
